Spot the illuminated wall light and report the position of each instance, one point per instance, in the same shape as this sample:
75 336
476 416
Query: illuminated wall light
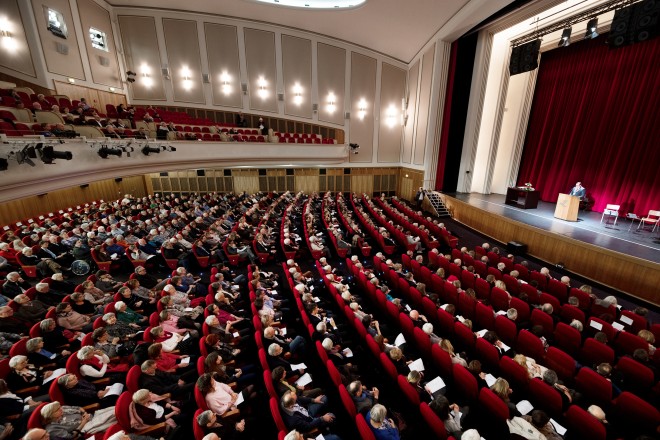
145 73
225 80
391 116
332 103
362 108
262 91
71 80
187 81
297 94
8 43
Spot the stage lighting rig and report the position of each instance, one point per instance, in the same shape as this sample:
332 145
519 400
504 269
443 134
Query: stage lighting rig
48 154
106 151
26 154
146 150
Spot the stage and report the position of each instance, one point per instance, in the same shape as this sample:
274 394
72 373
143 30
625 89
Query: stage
588 229
621 257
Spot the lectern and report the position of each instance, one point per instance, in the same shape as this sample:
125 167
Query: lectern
567 207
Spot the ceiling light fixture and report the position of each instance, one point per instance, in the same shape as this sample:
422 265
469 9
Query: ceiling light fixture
592 26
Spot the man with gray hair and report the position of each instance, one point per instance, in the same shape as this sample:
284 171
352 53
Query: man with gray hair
378 422
297 417
14 285
161 382
46 296
296 345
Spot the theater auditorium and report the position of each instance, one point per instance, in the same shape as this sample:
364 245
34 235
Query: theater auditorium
329 219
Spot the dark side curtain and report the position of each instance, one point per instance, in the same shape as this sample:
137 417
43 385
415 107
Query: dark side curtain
595 119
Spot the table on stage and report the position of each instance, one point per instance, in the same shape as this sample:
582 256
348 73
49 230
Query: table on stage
522 198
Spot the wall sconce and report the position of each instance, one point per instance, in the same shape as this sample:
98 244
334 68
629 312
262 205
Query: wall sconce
391 116
145 73
71 80
297 94
224 81
9 43
362 108
332 103
187 82
262 91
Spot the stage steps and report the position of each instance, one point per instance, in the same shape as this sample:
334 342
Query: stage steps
437 204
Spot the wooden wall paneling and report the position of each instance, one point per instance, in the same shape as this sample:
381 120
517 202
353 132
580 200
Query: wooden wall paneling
110 98
109 189
74 91
307 183
628 274
362 184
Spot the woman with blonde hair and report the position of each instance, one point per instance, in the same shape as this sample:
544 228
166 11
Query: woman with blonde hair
449 348
529 364
503 391
148 409
65 422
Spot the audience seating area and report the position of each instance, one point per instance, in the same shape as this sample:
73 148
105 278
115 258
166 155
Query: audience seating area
483 306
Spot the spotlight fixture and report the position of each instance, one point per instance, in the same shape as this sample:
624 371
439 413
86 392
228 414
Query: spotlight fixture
146 150
130 76
565 38
168 148
592 25
26 155
48 154
3 164
104 152
354 148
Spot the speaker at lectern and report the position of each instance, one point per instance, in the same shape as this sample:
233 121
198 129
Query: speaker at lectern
567 207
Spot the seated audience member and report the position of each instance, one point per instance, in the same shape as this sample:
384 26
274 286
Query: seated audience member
450 414
297 417
147 409
208 422
540 420
83 392
503 391
161 382
382 427
62 422
363 398
567 395
279 375
95 364
71 320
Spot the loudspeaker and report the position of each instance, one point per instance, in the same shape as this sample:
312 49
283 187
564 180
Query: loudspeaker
244 88
347 115
315 108
516 248
84 185
206 78
620 30
645 20
166 72
524 57
280 96
105 62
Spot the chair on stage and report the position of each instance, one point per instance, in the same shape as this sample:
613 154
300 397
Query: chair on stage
611 210
652 218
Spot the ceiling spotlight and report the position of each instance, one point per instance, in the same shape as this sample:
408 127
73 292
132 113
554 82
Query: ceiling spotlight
130 76
354 148
592 25
147 150
48 154
104 152
168 148
565 38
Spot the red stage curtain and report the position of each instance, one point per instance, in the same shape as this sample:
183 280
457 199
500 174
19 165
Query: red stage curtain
595 119
446 118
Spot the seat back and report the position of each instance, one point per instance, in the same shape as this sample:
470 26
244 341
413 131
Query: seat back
635 414
122 410
562 363
35 420
433 422
442 362
541 318
488 355
277 416
516 374
594 386
567 338
465 383
346 399
363 428
200 400
333 372
506 329
408 391
627 343
530 345
545 397
636 377
594 353
584 425
133 378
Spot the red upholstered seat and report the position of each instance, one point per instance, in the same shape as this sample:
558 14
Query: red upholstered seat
516 374
584 425
562 363
594 387
433 422
363 428
465 384
545 397
530 345
408 391
594 353
567 339
347 401
635 414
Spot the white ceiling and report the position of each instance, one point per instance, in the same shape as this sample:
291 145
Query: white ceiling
398 28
